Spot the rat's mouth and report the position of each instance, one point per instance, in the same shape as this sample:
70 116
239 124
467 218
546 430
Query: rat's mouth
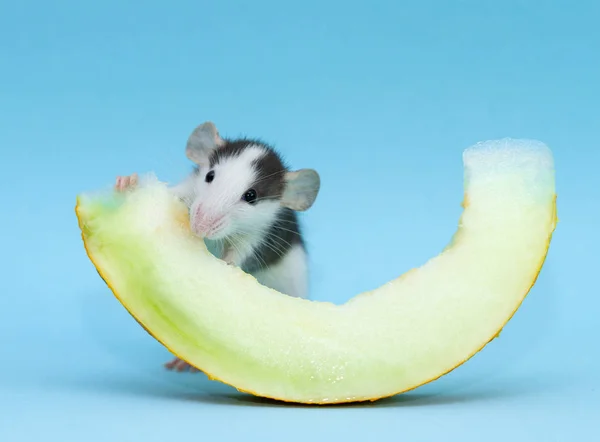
217 230
211 230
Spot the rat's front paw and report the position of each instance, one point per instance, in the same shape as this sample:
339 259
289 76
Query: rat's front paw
180 365
126 182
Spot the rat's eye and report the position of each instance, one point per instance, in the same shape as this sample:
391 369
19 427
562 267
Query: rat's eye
249 196
210 176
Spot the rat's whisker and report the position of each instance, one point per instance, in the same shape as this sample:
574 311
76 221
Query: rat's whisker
280 253
270 175
268 231
253 251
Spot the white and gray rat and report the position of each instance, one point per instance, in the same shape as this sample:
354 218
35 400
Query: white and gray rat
243 200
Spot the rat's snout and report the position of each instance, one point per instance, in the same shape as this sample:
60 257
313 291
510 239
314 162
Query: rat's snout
199 215
206 224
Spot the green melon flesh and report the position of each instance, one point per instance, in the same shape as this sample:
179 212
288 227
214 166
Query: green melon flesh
392 339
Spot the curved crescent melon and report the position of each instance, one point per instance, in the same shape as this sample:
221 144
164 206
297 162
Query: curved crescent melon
392 339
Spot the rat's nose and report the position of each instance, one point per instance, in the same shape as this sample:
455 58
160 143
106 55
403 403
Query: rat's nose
200 221
203 222
199 213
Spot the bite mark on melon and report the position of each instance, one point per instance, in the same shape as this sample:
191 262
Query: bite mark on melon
397 337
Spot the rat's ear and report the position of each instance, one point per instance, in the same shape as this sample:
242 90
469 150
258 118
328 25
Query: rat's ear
203 140
301 189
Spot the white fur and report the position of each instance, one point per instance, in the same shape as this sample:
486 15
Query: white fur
244 225
288 276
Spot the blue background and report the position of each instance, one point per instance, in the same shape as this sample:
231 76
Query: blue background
381 98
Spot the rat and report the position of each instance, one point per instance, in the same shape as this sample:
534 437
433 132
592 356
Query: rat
243 200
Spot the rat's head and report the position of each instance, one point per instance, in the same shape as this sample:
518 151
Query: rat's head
241 185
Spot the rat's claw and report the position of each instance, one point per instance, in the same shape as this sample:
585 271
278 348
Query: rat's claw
125 182
180 365
121 183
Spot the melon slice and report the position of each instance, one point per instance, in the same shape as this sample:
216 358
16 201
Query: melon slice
401 335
